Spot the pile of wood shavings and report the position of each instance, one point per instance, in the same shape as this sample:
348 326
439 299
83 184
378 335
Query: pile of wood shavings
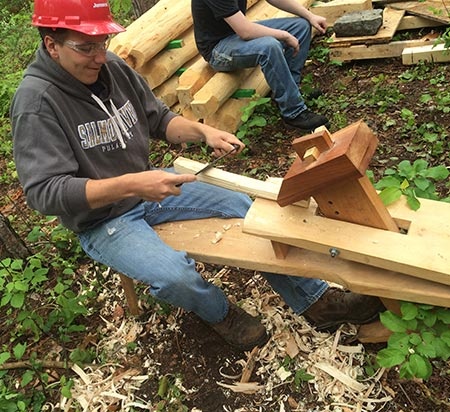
340 383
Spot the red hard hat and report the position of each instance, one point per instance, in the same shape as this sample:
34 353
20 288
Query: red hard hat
92 17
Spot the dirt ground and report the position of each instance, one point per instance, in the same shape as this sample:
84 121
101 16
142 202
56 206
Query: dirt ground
198 355
179 345
201 357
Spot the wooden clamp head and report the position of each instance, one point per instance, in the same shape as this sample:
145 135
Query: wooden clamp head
325 160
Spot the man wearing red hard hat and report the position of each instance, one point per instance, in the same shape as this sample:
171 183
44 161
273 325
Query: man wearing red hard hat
82 120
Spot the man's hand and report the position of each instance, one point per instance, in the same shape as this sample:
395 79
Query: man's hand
222 142
151 185
319 23
156 185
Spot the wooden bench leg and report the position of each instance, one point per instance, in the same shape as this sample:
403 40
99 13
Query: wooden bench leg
130 294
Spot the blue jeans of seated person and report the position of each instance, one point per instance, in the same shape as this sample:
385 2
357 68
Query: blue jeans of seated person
282 70
129 245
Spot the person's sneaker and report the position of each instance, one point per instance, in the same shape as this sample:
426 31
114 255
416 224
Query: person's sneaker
337 306
307 121
240 329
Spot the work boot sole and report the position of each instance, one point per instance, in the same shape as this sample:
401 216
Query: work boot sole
332 327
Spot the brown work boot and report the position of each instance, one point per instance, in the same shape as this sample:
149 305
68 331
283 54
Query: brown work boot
337 306
240 329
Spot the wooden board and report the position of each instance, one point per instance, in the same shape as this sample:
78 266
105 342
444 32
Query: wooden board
334 9
431 53
374 51
417 22
424 252
266 189
238 249
431 9
391 21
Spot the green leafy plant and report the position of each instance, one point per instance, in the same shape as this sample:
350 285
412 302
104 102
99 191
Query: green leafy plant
319 53
252 119
170 391
412 181
420 334
383 96
301 376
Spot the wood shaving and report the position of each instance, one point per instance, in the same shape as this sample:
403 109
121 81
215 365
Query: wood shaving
243 387
340 382
217 237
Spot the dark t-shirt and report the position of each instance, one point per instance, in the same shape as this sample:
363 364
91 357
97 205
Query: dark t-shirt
209 24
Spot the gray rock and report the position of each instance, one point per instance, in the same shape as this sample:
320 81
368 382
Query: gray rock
359 23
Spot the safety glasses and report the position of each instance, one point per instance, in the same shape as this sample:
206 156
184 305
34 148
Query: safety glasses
90 49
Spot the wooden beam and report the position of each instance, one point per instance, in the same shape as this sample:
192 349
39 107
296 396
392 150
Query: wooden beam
431 53
193 79
130 294
417 22
373 51
424 252
235 248
431 9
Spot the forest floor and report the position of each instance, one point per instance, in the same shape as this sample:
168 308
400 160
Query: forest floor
171 357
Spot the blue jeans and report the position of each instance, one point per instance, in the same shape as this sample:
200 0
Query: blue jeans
281 69
129 245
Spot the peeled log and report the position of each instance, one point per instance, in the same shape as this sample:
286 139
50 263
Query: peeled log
167 62
167 92
214 93
150 34
144 23
185 111
193 79
228 116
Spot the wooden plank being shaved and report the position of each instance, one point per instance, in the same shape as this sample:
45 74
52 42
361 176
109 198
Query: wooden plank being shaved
432 53
424 252
265 189
374 51
391 21
431 9
222 242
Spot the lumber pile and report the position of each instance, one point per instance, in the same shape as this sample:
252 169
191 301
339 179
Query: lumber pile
397 16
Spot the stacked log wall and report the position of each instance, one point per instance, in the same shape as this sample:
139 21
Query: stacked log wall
179 76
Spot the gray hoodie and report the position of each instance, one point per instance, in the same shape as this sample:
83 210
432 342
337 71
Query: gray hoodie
64 135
